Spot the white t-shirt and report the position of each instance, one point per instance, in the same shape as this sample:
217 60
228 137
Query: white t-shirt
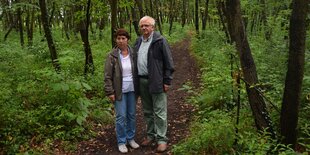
127 74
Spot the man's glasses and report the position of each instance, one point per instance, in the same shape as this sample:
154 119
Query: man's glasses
145 25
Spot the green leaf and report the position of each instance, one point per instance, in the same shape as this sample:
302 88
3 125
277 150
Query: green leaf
86 86
57 86
65 87
80 120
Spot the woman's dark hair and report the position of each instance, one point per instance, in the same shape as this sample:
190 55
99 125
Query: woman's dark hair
122 32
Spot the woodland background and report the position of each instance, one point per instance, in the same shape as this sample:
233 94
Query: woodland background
254 58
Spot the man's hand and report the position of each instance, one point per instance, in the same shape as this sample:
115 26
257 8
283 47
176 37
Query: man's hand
166 87
112 98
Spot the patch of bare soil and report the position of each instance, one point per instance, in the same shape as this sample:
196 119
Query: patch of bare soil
179 112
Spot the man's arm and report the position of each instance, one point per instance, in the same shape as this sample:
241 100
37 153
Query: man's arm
167 62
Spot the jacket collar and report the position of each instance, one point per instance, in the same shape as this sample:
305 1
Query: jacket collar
115 51
156 36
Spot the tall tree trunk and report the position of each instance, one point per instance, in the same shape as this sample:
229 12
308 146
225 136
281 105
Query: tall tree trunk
65 23
146 8
205 15
158 17
135 22
39 23
29 25
294 75
5 15
257 103
197 16
48 35
113 4
140 7
121 14
84 25
222 12
52 14
7 33
171 15
101 26
161 14
20 26
184 11
264 20
151 8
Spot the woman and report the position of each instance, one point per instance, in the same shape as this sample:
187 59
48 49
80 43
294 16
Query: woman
119 87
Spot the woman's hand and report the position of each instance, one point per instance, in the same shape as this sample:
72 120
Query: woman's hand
112 98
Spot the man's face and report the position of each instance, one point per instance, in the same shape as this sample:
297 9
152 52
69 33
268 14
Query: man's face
146 28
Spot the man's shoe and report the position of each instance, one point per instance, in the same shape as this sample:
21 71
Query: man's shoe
161 147
133 144
147 142
122 148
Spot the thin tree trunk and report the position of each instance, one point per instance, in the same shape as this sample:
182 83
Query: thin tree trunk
222 12
146 8
171 15
205 15
294 75
264 21
48 35
120 17
29 25
7 24
135 22
39 23
197 16
184 12
140 7
113 20
52 14
7 33
84 25
161 14
20 26
151 8
65 23
238 34
157 17
101 26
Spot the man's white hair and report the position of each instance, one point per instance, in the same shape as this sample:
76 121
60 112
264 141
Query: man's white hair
148 18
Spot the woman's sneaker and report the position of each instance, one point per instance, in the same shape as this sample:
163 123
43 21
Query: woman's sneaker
133 144
122 148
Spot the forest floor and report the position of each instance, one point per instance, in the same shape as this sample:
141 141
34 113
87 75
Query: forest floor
179 112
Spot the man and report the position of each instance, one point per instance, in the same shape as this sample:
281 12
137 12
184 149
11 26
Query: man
155 68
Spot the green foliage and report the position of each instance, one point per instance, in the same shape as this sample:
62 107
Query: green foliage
304 139
216 59
47 106
177 34
39 106
218 94
214 134
255 143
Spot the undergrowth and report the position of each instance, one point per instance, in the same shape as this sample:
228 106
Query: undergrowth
41 109
216 131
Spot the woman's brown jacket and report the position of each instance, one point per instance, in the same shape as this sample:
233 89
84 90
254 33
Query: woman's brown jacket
113 78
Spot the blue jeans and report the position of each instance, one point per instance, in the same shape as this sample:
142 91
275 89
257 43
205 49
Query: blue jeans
125 118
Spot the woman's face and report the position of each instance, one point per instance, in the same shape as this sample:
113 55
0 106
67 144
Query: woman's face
122 42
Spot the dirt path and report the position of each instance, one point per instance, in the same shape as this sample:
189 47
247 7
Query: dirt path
179 113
